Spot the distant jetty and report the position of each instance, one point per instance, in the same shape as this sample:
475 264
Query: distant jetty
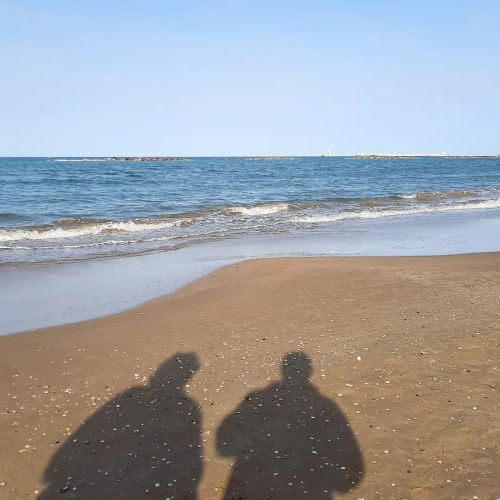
375 156
183 158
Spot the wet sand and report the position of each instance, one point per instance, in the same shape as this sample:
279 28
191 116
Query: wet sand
282 378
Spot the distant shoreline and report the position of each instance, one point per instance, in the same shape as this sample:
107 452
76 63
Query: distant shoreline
257 157
147 158
371 156
359 156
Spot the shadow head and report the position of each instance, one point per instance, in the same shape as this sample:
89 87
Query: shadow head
297 366
176 371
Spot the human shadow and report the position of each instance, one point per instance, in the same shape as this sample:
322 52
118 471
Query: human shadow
289 441
146 441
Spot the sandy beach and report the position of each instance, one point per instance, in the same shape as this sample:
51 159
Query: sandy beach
279 378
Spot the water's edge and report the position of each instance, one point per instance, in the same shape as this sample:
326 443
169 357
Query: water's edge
48 295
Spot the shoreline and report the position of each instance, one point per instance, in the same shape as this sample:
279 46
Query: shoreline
210 274
403 350
51 294
199 280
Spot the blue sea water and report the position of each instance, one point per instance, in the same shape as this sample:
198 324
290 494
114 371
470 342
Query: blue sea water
54 209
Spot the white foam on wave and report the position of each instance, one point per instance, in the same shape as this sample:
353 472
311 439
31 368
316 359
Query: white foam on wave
271 208
454 193
375 214
89 229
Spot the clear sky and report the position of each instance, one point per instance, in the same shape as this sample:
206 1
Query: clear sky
146 77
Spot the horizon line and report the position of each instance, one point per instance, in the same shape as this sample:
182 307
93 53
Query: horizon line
282 156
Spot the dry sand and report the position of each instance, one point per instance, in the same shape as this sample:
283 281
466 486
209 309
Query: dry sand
206 393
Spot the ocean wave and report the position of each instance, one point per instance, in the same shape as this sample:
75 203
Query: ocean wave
375 214
112 242
434 195
8 216
73 231
270 208
420 196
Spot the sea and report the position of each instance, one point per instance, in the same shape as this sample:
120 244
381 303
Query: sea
73 209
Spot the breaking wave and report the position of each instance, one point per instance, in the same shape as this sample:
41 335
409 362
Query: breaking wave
393 212
270 208
439 195
89 229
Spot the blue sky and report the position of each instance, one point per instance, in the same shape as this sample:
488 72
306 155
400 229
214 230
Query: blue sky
248 77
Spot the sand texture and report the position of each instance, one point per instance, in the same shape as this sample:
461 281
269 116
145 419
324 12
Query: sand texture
284 378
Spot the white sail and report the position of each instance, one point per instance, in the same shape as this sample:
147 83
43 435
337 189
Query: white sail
328 152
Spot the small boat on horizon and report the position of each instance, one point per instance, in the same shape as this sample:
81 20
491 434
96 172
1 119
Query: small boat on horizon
328 152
